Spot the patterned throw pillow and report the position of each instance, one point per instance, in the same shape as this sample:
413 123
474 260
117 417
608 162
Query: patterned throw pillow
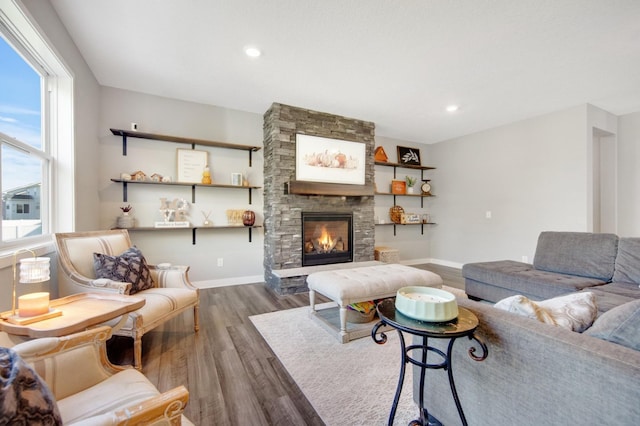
25 398
575 311
128 267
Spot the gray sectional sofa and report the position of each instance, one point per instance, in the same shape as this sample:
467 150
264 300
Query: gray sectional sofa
564 262
538 374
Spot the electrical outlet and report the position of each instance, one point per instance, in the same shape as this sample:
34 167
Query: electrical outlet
220 262
525 259
488 214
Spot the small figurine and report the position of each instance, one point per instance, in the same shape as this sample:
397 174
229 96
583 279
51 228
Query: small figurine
206 222
139 175
206 176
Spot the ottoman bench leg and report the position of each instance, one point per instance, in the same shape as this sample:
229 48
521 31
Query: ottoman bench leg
343 324
312 300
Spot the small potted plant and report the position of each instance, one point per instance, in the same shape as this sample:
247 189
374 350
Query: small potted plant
411 181
125 220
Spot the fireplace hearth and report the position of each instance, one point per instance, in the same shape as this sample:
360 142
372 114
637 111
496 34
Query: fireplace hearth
327 238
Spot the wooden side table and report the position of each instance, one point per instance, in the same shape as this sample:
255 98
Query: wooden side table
79 312
464 325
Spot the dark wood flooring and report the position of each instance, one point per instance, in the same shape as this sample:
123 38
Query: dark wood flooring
232 375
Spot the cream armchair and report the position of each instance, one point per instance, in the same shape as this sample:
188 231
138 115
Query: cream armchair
171 295
91 391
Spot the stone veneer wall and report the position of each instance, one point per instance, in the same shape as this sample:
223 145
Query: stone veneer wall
283 212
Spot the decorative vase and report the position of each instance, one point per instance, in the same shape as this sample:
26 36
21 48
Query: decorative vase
410 190
125 221
248 218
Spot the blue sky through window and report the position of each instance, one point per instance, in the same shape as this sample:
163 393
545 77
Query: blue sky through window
20 116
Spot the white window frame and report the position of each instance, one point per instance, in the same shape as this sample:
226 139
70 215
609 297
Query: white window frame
57 196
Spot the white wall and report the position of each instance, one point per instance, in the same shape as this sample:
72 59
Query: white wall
629 172
530 175
242 260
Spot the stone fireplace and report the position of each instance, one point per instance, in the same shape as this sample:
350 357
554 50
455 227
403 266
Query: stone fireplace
283 210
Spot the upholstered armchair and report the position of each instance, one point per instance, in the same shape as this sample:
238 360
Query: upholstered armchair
89 390
169 291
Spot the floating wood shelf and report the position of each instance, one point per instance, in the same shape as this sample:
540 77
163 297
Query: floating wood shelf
178 139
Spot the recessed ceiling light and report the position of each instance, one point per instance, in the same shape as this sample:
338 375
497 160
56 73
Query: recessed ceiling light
452 108
252 52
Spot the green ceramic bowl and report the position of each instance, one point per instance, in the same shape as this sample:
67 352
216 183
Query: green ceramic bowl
427 304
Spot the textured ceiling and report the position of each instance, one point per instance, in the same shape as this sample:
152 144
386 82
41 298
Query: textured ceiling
396 63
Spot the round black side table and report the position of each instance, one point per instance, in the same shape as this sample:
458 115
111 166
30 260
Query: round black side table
464 325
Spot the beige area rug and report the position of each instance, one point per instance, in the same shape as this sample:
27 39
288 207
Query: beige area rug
352 383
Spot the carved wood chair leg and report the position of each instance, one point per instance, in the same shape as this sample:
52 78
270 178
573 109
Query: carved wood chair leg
196 318
137 353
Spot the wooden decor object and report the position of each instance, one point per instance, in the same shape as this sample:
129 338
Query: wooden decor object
395 213
398 187
380 155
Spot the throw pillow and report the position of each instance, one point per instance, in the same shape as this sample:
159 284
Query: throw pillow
619 325
522 306
25 398
128 267
575 311
628 261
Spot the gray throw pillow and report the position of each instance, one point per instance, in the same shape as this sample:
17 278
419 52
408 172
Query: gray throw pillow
619 325
128 267
628 261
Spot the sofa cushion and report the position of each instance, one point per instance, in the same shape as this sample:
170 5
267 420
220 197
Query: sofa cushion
574 312
159 302
627 268
120 390
522 278
129 267
577 253
610 295
619 325
25 398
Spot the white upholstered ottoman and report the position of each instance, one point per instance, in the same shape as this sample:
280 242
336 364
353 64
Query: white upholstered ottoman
346 286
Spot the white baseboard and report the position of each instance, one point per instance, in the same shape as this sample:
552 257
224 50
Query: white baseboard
224 282
434 261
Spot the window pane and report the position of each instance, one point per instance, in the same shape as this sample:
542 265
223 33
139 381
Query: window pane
20 97
21 185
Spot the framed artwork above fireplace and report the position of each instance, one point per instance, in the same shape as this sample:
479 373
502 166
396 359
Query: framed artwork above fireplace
328 160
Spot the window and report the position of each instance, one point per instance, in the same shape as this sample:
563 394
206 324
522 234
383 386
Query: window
23 161
36 133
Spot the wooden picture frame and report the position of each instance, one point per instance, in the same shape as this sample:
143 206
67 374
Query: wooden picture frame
191 164
327 160
409 156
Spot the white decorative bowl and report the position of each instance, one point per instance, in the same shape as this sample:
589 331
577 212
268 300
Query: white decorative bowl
427 304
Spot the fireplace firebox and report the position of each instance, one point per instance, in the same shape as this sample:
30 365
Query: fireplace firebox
327 238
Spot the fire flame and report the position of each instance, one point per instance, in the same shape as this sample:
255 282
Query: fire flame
325 242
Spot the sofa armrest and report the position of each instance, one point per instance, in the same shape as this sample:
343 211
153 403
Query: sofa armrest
166 407
75 283
174 277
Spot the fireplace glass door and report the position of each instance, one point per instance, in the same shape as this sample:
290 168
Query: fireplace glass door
327 238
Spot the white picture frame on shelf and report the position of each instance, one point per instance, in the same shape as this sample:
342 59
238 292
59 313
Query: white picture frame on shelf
191 164
236 179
